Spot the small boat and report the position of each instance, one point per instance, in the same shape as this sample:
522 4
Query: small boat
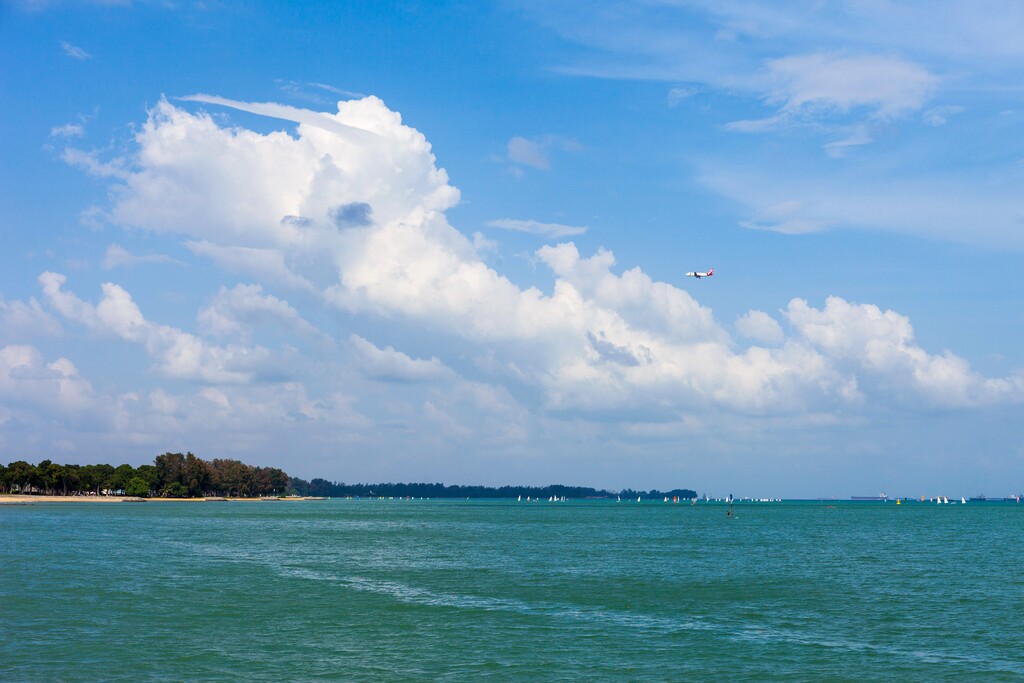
963 501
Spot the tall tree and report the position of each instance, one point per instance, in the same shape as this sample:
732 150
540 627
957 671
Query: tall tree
196 475
171 469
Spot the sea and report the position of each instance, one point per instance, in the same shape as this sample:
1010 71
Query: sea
460 590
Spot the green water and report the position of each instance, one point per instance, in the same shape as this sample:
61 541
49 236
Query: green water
464 590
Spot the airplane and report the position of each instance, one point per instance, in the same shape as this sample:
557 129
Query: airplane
711 271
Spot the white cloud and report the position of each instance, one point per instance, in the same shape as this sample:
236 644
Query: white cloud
858 136
55 388
21 321
326 122
68 130
617 345
677 95
938 116
482 244
390 365
177 354
965 208
757 125
90 163
74 51
882 344
552 230
528 152
234 421
535 152
117 256
235 311
790 217
761 327
268 264
888 86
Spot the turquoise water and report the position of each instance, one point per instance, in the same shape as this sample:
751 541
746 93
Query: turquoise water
463 590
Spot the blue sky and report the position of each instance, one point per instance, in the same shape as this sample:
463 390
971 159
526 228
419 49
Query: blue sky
439 241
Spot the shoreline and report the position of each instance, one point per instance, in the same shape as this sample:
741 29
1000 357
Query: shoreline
22 499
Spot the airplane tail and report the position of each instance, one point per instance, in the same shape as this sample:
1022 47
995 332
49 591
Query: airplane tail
711 271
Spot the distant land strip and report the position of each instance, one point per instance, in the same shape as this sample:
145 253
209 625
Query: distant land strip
177 475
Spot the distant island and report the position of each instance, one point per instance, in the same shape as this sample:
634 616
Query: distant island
177 475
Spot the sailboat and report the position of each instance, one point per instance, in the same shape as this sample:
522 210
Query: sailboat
520 499
963 501
945 500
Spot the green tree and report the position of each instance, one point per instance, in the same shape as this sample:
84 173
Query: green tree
280 483
150 475
46 476
197 475
118 480
171 468
233 477
174 490
100 476
66 478
20 474
136 486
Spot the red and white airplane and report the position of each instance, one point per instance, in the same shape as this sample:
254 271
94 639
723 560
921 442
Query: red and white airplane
711 271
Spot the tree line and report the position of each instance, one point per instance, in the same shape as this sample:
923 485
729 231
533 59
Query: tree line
177 475
172 475
322 487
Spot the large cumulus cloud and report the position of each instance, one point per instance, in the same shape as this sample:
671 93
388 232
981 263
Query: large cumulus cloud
338 227
353 205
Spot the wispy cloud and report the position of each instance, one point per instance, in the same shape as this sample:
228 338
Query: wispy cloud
535 152
117 256
316 92
678 94
528 152
388 365
74 51
962 208
68 130
552 230
91 164
282 111
886 86
856 137
938 116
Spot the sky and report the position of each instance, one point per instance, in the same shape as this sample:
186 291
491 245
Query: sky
447 241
